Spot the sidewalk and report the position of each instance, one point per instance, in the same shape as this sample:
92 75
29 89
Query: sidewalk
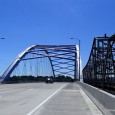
71 100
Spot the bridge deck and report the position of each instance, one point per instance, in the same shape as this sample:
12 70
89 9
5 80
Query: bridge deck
45 99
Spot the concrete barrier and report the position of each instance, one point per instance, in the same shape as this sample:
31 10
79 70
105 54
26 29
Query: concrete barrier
104 98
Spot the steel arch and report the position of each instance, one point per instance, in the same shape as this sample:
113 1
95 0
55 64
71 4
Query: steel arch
55 53
17 60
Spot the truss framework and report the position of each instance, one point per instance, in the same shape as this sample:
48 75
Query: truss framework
100 68
61 57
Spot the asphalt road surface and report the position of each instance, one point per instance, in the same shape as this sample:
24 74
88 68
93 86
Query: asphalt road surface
45 99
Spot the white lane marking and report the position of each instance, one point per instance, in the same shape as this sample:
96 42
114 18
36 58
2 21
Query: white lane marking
91 105
37 107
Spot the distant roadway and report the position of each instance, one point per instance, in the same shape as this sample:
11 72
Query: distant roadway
45 99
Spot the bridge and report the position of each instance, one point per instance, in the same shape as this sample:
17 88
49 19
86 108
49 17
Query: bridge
45 60
100 68
67 95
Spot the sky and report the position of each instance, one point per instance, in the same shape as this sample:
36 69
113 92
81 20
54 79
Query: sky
52 22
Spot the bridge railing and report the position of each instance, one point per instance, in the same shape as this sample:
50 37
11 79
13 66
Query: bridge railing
100 68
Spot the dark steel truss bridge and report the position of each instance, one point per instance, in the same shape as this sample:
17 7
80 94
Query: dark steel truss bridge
100 68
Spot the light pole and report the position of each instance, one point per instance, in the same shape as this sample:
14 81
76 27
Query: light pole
79 55
2 38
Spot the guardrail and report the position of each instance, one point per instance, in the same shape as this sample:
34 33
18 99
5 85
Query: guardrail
106 101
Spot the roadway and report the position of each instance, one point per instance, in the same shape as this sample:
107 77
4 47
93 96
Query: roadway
45 99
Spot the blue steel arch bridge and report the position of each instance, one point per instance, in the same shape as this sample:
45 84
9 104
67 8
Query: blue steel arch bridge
100 68
45 60
55 60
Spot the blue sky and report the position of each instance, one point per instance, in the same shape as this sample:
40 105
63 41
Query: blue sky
27 22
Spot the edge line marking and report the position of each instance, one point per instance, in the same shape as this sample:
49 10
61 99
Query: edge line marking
37 107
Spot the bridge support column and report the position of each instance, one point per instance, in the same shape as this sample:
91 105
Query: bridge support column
75 70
